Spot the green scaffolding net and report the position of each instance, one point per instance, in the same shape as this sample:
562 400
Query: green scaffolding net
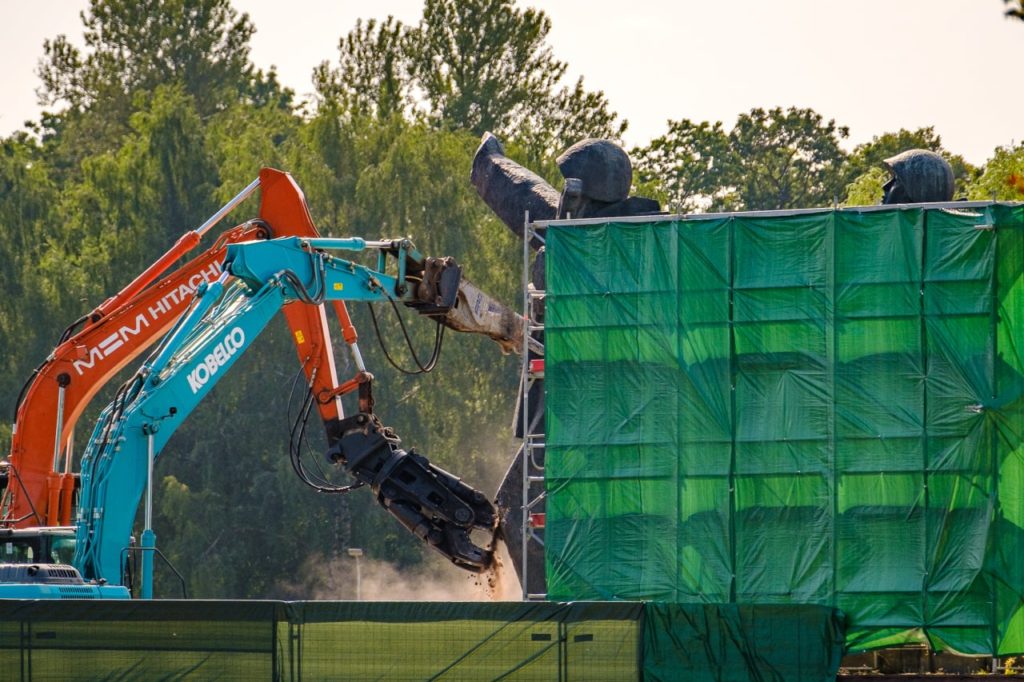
817 407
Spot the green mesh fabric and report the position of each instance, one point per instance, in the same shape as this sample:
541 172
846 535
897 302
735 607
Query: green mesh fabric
815 408
122 640
716 642
467 641
293 641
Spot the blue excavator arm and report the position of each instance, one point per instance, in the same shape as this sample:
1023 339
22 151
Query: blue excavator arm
259 279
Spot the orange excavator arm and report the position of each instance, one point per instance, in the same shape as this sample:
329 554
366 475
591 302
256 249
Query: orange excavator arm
40 482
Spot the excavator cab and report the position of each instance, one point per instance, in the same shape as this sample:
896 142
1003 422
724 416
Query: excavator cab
54 545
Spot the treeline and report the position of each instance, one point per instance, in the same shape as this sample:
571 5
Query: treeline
163 116
793 158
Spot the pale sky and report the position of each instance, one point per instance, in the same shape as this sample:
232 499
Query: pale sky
872 65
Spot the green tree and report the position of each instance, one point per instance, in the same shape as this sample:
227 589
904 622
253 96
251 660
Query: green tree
867 188
28 196
327 160
1003 178
479 65
566 117
787 159
869 156
690 168
372 77
131 49
131 204
138 45
770 159
483 64
245 138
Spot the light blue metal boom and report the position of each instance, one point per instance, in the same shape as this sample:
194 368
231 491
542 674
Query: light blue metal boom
259 279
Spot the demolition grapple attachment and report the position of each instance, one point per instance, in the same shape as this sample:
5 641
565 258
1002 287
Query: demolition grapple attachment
429 501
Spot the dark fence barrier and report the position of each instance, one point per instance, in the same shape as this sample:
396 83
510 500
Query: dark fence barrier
265 640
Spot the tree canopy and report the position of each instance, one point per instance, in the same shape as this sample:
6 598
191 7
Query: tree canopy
1003 177
690 168
483 63
372 76
471 65
134 46
771 159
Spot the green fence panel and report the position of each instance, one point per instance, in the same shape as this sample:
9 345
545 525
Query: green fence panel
809 408
296 641
96 640
460 641
717 642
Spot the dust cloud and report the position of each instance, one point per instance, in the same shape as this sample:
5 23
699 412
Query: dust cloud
434 580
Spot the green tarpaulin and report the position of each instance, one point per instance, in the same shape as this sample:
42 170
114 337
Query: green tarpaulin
730 642
814 408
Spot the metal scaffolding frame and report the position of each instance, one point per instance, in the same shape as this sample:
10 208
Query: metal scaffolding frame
531 372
